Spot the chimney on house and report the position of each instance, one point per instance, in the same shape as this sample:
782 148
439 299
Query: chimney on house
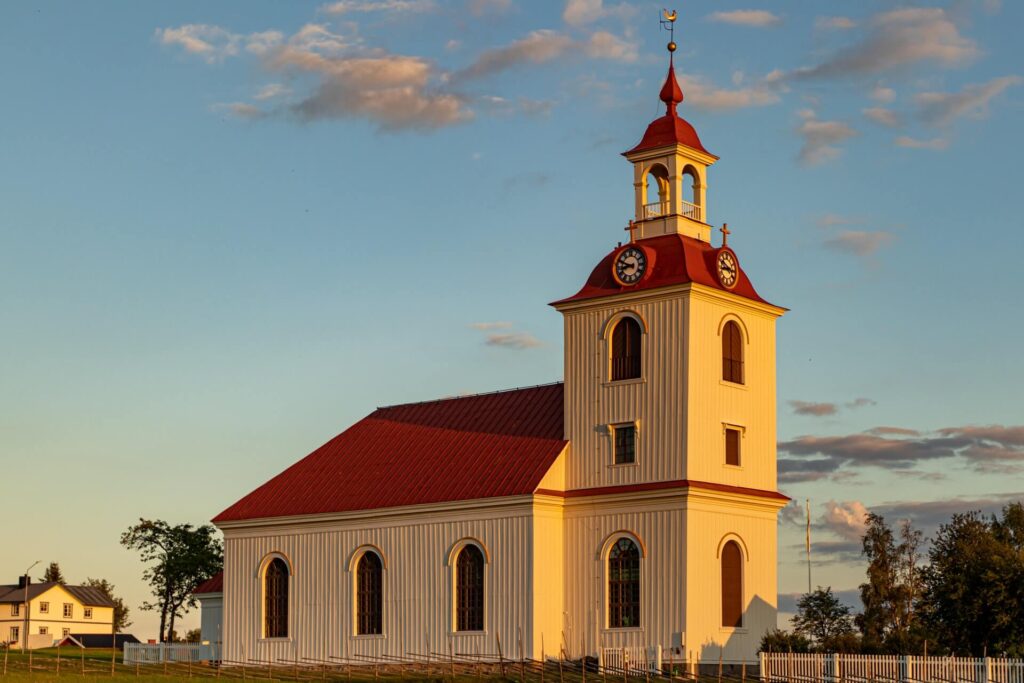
24 581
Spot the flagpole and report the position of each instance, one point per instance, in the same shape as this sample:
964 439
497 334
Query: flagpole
808 544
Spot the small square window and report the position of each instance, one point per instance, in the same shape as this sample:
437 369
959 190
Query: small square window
625 444
44 608
16 609
65 632
87 612
69 610
43 630
732 446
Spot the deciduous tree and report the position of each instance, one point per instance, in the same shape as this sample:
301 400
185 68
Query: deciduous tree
121 621
823 618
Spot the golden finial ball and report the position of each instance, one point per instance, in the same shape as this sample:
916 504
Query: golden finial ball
672 46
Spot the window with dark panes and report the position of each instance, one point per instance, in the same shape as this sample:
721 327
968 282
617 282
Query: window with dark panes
732 585
370 594
625 444
732 446
275 594
732 353
624 585
626 339
469 588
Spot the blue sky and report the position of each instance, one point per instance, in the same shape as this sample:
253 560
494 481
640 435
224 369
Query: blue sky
230 230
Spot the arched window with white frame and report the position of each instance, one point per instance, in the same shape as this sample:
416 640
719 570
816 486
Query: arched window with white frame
624 584
370 594
275 598
469 589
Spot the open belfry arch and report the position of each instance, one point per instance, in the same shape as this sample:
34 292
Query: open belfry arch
632 505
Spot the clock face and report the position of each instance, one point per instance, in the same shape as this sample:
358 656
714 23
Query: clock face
629 266
728 270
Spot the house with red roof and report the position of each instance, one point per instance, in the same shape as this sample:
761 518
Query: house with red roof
629 508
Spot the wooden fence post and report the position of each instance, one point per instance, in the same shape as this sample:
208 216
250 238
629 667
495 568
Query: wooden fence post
762 664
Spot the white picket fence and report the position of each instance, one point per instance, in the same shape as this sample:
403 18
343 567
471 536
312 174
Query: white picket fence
158 653
630 659
785 667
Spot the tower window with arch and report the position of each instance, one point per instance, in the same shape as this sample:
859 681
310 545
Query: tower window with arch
626 349
691 191
275 599
732 353
732 585
369 594
469 590
656 192
624 584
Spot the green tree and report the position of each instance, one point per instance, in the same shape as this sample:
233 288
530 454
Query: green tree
53 574
193 636
121 621
180 558
777 640
974 584
822 618
892 593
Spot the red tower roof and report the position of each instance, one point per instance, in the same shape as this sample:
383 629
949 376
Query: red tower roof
670 129
671 260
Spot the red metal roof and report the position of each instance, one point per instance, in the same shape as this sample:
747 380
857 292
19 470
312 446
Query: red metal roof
483 446
214 584
670 129
671 260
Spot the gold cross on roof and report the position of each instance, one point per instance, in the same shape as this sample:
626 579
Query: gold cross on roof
725 233
632 228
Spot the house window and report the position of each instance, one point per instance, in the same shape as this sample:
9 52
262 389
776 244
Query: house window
65 632
732 585
15 634
732 446
87 613
44 608
15 609
369 594
626 338
69 610
732 353
469 588
44 630
625 444
275 595
624 585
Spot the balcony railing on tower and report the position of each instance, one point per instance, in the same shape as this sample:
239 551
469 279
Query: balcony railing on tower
658 209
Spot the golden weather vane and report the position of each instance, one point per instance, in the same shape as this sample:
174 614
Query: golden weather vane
669 24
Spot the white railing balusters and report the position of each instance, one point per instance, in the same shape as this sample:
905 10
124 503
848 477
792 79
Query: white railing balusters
831 668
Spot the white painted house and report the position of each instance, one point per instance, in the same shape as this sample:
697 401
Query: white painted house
633 504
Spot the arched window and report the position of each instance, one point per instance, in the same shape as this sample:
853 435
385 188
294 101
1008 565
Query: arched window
624 585
626 339
275 596
732 585
691 194
732 353
656 191
369 595
469 590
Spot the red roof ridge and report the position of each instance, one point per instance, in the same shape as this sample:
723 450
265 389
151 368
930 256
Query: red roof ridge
473 395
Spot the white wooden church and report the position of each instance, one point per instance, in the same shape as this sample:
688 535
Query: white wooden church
633 505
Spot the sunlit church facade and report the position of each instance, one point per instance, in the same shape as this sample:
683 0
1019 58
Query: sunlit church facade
632 505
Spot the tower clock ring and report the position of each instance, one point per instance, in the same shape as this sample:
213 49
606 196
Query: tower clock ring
629 265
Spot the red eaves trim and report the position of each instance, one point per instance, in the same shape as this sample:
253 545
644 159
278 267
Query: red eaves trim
662 485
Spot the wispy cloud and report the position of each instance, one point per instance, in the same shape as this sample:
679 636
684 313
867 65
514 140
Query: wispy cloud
861 402
707 96
983 448
814 409
847 520
271 91
830 220
538 47
881 116
897 39
821 139
580 12
942 108
834 23
394 6
513 340
212 43
882 94
860 242
757 18
938 143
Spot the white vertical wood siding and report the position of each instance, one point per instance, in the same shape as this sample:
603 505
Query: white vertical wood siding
657 400
417 586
